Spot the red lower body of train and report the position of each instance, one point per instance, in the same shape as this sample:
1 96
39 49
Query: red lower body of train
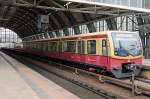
119 68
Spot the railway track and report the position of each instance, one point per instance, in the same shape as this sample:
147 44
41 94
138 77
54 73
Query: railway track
143 80
138 89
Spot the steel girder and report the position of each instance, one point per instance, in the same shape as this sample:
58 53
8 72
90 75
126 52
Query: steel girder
24 20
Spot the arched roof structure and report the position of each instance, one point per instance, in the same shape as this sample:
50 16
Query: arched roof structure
21 15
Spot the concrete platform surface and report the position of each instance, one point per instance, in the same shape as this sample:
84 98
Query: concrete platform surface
146 62
20 82
146 68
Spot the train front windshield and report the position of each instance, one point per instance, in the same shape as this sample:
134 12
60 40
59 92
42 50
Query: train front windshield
126 44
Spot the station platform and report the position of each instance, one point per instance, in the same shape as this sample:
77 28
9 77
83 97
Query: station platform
146 68
20 82
146 63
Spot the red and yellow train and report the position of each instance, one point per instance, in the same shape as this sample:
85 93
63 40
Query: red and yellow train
116 52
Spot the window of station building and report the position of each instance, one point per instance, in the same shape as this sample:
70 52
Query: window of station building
71 46
54 34
121 22
84 29
57 34
130 23
81 47
146 4
101 25
105 25
9 39
133 3
91 46
80 28
71 31
61 33
126 2
97 25
50 34
65 32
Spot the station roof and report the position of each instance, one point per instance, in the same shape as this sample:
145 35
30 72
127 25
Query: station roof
21 15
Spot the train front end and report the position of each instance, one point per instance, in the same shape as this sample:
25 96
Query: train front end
126 54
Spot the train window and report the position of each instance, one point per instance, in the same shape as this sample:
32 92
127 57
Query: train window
104 43
91 46
49 46
65 46
53 46
34 45
60 46
25 45
45 48
81 47
104 47
38 45
41 46
29 45
71 46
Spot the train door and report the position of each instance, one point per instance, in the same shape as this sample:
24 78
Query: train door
91 51
105 50
80 50
60 49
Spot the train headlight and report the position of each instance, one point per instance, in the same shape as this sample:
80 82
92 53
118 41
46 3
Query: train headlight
116 53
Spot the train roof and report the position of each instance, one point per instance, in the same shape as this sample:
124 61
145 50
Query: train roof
83 35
